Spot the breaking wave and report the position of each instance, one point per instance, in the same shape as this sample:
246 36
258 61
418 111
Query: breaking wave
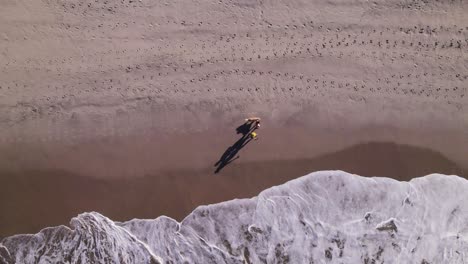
328 216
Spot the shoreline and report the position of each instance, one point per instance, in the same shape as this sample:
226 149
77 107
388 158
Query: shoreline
57 196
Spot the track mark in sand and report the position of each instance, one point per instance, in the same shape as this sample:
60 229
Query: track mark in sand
122 49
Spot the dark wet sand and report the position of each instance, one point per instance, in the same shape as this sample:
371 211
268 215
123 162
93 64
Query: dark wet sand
32 200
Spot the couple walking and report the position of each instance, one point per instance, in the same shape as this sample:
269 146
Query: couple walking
256 122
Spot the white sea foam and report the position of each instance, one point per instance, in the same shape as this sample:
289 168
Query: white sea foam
324 217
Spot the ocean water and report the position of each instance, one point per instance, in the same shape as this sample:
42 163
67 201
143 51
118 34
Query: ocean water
324 217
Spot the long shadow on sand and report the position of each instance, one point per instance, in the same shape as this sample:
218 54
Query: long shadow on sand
31 200
231 152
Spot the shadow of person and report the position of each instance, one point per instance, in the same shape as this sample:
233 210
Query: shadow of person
230 154
244 129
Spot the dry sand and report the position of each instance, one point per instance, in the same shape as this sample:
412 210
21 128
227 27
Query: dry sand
124 106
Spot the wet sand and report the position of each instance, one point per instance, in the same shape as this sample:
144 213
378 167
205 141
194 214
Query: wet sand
32 200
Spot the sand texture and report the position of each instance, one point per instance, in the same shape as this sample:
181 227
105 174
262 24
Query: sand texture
137 100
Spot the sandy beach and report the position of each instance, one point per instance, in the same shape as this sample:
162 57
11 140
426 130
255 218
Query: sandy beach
124 108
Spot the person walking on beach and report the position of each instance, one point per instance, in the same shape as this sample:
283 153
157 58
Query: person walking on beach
253 135
254 120
257 124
